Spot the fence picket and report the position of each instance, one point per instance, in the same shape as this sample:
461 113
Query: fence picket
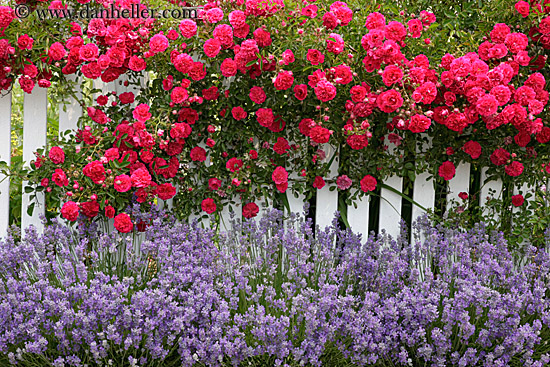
35 121
423 194
5 155
68 119
459 183
423 188
358 218
327 201
390 207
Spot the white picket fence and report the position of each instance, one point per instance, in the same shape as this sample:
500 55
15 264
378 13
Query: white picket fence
34 136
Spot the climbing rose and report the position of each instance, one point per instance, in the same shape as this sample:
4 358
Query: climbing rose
123 223
208 205
319 134
122 183
368 183
198 154
250 210
523 8
514 169
473 148
419 123
343 182
280 175
166 191
517 200
389 101
325 91
447 170
141 178
318 183
57 155
69 211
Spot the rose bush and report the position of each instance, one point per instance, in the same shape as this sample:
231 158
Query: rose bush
251 91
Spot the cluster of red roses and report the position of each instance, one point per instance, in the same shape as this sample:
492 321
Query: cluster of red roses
126 154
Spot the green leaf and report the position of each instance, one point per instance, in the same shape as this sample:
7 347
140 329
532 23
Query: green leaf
28 189
30 209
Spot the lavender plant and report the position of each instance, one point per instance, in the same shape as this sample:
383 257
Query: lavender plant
271 292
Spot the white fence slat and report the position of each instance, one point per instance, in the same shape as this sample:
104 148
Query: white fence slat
459 183
296 203
5 155
225 216
68 119
390 207
327 201
423 194
358 218
484 192
35 121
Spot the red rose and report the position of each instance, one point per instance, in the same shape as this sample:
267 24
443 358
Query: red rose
500 156
57 155
265 117
463 195
315 57
473 148
357 141
212 47
57 51
141 113
517 200
419 123
123 223
198 154
523 8
141 178
59 177
90 208
319 134
368 183
211 94
166 191
208 205
389 101
136 63
250 210
95 171
447 170
392 74
214 184
514 169
228 68
238 113
300 91
234 164
281 146
282 187
257 95
305 126
122 183
544 135
279 176
69 211
179 95
109 211
284 80
318 183
325 91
